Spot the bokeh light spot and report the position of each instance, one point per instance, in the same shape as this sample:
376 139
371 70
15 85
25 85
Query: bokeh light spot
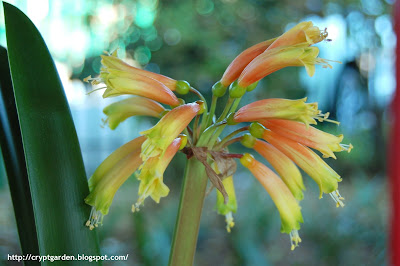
204 7
144 17
172 36
142 55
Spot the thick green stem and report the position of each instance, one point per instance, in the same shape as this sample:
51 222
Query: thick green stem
212 110
188 220
226 109
227 138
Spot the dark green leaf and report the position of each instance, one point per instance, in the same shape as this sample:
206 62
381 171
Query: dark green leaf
54 162
14 161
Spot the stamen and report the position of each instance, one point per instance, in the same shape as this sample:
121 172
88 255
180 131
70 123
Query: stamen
347 147
93 81
324 62
229 222
149 151
95 218
104 121
294 239
90 92
324 117
337 198
136 206
87 78
324 33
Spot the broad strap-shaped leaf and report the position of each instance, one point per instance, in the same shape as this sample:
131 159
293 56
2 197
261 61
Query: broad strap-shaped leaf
14 161
54 162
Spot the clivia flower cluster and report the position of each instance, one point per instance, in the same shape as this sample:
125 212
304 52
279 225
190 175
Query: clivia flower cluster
278 129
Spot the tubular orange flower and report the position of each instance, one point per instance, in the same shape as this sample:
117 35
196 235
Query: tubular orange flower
324 142
242 60
120 83
109 176
119 111
287 205
297 110
303 33
326 178
151 174
121 78
159 137
278 58
285 167
113 62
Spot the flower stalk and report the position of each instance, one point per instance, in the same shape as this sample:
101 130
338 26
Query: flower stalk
189 211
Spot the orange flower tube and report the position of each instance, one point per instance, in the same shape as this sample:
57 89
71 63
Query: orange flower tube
287 205
242 60
109 176
317 139
285 167
278 58
304 32
120 83
326 178
113 62
159 137
297 110
119 111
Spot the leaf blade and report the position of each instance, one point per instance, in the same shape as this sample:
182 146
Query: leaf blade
54 162
14 161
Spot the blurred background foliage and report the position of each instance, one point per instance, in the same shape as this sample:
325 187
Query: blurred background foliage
195 41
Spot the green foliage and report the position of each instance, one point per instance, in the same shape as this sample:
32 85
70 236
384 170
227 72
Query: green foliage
14 161
54 163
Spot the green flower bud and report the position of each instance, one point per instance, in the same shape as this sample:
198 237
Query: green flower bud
182 87
235 91
218 89
257 130
248 140
252 86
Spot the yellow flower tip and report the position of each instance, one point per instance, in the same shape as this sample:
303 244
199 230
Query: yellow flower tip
160 136
95 218
337 198
183 138
294 110
247 160
294 239
229 222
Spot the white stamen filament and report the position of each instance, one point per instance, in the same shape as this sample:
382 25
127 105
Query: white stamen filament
347 147
294 239
337 198
229 222
321 117
95 218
